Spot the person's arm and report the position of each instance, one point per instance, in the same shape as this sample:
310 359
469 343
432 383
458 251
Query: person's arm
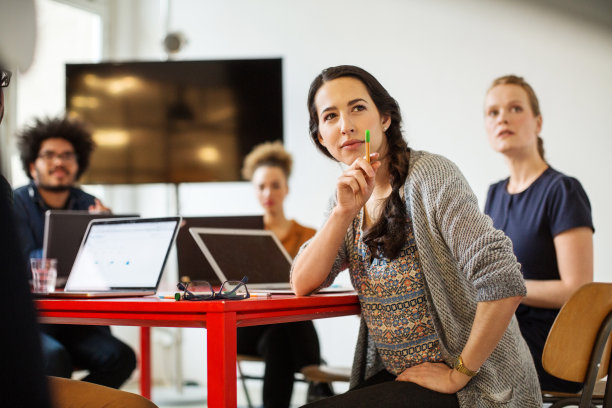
490 323
574 250
315 262
484 255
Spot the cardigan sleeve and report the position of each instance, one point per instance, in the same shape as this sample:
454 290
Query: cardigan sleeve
484 254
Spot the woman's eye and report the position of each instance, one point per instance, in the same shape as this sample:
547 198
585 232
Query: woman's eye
329 116
516 109
492 113
359 108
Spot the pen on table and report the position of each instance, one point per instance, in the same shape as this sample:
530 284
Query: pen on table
367 144
260 294
176 296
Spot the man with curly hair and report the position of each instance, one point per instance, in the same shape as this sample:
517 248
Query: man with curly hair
54 153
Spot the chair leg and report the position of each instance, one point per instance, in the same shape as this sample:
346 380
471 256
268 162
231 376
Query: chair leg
571 401
244 386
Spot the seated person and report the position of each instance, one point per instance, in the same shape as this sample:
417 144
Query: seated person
437 284
54 153
287 347
546 214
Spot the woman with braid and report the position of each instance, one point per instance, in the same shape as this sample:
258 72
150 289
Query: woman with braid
437 283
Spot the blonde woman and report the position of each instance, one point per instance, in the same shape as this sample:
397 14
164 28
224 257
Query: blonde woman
546 214
288 347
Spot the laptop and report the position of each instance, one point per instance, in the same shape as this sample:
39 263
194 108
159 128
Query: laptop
233 253
258 254
192 263
63 234
121 257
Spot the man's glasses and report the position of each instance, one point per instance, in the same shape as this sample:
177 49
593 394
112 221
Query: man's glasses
203 290
51 156
5 78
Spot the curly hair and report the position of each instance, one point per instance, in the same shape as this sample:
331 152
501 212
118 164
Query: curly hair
267 154
531 96
74 131
388 235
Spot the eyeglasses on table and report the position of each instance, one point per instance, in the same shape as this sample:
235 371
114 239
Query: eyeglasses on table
203 290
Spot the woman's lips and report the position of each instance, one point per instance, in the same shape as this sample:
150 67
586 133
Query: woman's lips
505 133
352 144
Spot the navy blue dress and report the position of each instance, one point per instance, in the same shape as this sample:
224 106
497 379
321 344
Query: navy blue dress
553 203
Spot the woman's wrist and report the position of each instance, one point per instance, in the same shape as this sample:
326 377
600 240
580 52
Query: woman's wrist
343 215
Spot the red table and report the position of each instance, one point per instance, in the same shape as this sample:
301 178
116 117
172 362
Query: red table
220 318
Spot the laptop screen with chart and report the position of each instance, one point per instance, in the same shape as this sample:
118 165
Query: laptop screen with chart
64 231
121 257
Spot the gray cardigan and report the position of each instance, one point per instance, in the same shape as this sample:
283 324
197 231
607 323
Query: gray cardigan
464 260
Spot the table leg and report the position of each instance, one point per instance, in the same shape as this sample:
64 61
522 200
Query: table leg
221 352
145 362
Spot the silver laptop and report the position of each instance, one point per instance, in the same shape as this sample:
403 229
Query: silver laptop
121 257
192 264
234 253
64 231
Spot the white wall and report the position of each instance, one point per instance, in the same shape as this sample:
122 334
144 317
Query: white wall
436 58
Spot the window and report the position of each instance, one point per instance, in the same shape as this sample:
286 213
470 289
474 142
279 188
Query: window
68 31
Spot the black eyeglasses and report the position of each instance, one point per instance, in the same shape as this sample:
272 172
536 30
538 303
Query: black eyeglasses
51 156
203 290
5 78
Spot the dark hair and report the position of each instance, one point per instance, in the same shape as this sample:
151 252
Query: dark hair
74 131
531 95
388 236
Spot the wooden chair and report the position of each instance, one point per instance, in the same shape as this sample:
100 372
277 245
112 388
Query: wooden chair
578 348
316 373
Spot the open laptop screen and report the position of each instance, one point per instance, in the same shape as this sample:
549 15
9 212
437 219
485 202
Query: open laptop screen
64 231
123 254
234 253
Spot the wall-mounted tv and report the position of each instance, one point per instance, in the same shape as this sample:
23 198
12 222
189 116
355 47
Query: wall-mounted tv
175 121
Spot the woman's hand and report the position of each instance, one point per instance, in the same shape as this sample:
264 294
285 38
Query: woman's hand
435 376
356 184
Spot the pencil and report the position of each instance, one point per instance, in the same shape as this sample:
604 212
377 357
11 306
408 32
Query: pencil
367 144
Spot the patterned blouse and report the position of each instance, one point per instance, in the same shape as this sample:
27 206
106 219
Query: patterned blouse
393 304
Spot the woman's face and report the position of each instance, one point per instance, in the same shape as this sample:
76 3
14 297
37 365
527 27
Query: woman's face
345 110
271 187
509 120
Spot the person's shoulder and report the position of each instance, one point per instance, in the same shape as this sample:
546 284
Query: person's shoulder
303 229
424 159
557 182
24 193
498 185
432 167
81 194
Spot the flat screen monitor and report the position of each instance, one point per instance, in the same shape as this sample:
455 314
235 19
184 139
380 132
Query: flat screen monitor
175 121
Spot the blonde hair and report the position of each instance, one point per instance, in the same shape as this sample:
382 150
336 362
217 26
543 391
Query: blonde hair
531 96
267 154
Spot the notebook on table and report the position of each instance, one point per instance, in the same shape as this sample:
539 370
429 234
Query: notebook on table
192 263
120 257
63 234
258 254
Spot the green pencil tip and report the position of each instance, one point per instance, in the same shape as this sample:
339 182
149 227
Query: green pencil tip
368 136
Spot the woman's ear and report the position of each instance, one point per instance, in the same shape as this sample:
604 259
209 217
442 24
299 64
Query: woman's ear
386 122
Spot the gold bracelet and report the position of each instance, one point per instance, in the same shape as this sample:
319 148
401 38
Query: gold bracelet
463 369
